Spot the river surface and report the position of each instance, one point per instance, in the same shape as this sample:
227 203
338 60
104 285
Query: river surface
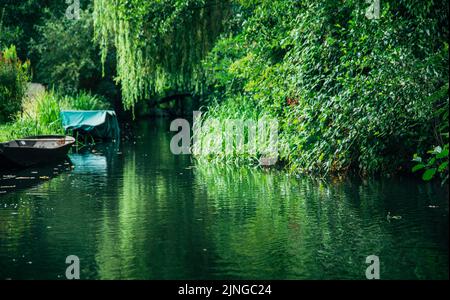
136 211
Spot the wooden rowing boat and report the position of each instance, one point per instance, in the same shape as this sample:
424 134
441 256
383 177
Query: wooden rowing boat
34 150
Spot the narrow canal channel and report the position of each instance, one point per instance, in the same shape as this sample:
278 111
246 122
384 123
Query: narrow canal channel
136 211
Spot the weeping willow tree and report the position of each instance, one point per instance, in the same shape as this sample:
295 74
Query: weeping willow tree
159 43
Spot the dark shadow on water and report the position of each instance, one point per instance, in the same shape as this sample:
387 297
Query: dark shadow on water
88 160
14 180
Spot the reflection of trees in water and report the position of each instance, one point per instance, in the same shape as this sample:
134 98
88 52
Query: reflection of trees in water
16 218
148 235
51 219
20 213
150 216
281 227
269 225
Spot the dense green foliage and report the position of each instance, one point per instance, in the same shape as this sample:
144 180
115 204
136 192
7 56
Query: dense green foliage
83 101
19 20
13 83
350 92
64 51
64 58
436 160
159 44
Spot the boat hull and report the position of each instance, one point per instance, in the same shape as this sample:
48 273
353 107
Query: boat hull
5 163
24 156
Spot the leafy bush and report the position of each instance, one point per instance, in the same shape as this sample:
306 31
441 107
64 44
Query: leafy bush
351 93
14 76
66 56
18 20
9 35
437 163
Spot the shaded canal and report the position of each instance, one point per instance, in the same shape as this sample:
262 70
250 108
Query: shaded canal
139 212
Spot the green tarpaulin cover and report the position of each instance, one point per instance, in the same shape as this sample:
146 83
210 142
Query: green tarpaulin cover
98 123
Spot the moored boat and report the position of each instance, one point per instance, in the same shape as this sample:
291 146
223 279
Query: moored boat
34 150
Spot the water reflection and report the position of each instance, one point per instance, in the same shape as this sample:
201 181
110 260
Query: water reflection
139 212
323 230
19 179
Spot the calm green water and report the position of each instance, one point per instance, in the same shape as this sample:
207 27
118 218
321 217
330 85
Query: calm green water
139 212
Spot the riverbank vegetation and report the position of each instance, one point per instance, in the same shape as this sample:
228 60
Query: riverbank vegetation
353 89
13 83
61 51
352 92
61 56
40 114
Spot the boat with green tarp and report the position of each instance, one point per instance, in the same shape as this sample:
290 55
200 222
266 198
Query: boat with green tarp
101 124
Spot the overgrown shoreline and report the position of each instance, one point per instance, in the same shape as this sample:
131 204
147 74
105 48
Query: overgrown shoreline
40 115
352 93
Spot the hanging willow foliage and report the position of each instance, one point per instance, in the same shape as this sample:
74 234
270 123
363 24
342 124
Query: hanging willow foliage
159 43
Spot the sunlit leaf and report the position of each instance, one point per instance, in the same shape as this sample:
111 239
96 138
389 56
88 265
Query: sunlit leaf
443 166
429 174
418 167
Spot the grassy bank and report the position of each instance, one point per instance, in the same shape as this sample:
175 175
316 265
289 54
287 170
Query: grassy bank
40 114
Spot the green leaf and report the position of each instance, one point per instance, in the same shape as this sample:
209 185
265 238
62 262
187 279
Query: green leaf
429 174
431 162
418 167
443 166
442 154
